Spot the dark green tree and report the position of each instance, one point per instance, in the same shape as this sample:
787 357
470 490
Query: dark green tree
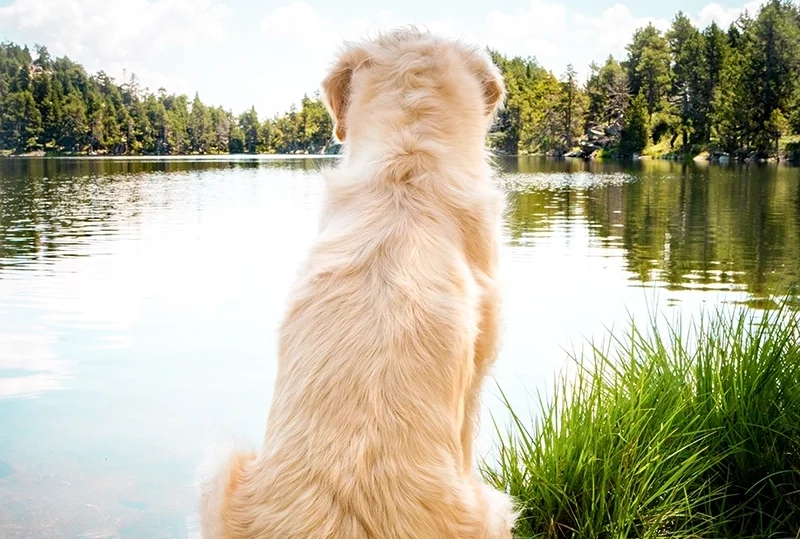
771 54
235 139
570 106
716 51
689 76
73 130
201 132
636 134
648 67
249 126
21 122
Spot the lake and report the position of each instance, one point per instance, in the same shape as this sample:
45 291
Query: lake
140 298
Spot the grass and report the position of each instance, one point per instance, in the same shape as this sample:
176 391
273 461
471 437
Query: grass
790 148
658 149
687 433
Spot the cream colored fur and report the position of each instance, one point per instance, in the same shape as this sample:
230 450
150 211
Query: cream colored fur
393 323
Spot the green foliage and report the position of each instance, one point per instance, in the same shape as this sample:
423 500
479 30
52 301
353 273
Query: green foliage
201 131
21 123
608 93
700 89
72 130
687 47
636 134
730 111
54 105
771 52
308 129
571 108
248 124
715 89
666 432
542 115
716 52
793 151
236 140
794 120
649 67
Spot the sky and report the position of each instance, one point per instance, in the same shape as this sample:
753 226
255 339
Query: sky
267 54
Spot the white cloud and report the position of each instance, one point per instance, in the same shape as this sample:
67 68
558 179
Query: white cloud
313 41
297 20
723 15
30 364
113 35
568 37
304 26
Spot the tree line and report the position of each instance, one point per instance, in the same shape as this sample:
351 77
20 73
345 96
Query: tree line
53 105
686 90
734 90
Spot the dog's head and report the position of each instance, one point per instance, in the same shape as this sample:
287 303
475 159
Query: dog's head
408 73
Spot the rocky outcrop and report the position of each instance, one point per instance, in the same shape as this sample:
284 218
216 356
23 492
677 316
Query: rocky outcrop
598 138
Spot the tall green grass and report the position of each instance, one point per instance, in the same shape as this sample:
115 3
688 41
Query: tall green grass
686 432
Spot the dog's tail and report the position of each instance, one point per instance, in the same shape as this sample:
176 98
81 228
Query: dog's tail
500 512
218 476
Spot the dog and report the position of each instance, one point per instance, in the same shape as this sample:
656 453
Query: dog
393 322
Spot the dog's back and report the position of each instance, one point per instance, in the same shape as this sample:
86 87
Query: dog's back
377 350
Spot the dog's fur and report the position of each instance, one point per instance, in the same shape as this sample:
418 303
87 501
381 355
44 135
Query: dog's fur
393 323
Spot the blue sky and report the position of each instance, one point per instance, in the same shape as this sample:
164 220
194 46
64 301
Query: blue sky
239 53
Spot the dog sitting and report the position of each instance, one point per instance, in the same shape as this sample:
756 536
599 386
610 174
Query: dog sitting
393 323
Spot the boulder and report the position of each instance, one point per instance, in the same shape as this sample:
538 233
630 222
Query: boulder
613 130
595 133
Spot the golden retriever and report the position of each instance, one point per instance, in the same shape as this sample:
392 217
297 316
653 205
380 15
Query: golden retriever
393 322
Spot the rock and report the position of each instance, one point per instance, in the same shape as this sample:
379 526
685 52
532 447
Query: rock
613 130
595 133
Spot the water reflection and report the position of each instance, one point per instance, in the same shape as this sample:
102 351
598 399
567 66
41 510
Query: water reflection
29 365
53 208
682 226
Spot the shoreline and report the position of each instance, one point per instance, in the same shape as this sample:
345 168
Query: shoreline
176 157
698 159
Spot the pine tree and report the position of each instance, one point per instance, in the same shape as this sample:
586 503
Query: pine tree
608 93
73 130
21 122
636 134
731 105
235 139
771 54
248 123
689 78
570 101
201 133
177 120
716 51
648 67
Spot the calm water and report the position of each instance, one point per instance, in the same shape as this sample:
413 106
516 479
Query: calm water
139 301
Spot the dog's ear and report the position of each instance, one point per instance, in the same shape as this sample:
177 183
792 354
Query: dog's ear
494 89
336 87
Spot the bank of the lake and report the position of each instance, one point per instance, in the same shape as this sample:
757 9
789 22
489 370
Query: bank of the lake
679 431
